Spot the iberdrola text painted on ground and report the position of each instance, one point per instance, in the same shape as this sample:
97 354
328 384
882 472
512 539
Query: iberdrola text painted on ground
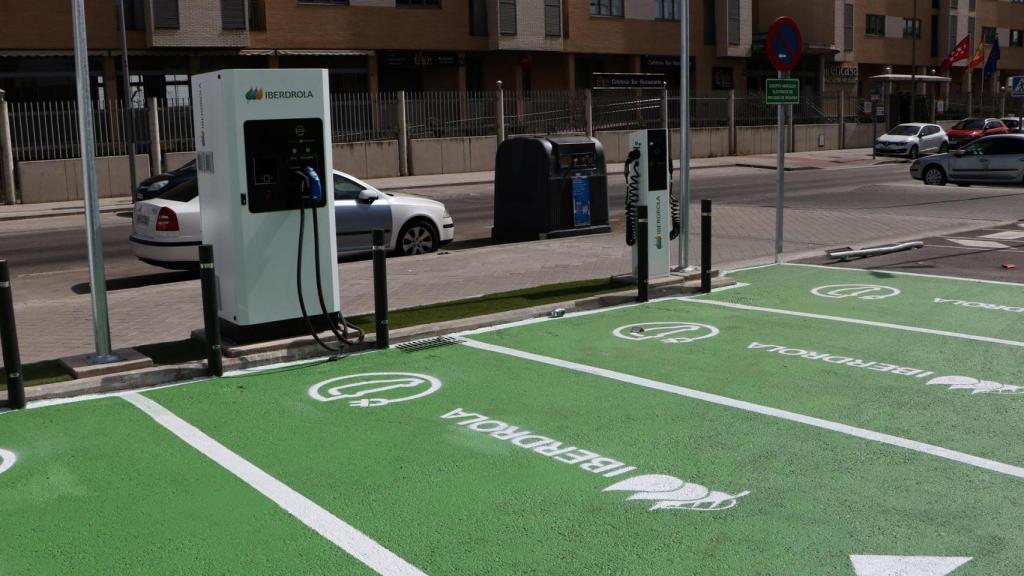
980 305
667 492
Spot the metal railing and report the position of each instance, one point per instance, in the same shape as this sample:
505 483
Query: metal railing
49 130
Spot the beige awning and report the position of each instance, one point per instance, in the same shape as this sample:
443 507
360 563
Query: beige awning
289 52
908 78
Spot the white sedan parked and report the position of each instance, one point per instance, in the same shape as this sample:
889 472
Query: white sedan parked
167 230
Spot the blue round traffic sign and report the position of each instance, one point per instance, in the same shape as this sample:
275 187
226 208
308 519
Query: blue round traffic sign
784 44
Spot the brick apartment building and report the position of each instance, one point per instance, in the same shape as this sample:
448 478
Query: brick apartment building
426 45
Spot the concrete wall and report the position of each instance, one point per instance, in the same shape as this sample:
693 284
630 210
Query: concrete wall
61 180
377 159
175 160
451 155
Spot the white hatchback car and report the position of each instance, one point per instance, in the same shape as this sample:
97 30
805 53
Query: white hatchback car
911 140
166 230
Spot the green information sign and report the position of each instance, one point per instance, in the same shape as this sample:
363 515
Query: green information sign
782 91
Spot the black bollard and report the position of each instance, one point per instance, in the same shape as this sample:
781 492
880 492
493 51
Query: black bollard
380 288
642 269
705 246
211 319
9 340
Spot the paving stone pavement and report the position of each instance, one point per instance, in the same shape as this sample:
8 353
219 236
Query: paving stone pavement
743 235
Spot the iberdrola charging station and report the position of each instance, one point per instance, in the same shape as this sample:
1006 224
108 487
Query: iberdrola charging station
263 154
648 183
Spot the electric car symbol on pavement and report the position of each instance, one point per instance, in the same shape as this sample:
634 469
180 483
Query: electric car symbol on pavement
666 332
7 459
669 492
861 291
374 389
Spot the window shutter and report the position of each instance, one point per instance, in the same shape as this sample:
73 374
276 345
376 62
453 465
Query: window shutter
553 17
232 14
165 13
507 16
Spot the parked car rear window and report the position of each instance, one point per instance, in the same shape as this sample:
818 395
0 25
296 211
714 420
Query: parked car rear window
183 192
970 124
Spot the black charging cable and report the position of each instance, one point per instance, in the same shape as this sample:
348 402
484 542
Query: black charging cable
632 173
673 201
340 330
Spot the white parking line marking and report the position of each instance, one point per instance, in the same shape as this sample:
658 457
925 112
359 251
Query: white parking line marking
977 243
1006 235
903 327
917 274
342 534
930 449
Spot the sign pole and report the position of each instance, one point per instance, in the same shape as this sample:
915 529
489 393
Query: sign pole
684 137
780 178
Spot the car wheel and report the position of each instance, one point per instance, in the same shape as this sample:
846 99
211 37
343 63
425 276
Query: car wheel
914 153
944 148
934 176
418 236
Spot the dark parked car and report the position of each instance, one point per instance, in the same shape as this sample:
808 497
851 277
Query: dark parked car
156 185
988 160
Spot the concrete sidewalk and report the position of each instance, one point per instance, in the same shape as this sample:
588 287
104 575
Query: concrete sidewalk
794 161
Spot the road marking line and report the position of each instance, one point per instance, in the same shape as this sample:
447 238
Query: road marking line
970 243
905 328
342 534
897 441
896 273
1005 235
972 250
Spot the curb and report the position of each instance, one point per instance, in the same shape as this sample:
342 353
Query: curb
60 212
306 349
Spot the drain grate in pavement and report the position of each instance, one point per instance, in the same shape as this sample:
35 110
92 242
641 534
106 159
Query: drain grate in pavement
428 344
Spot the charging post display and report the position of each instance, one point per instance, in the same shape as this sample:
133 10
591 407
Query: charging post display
648 183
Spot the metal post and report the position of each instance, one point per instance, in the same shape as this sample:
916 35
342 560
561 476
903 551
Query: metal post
705 246
874 132
643 273
499 113
129 118
7 159
211 319
380 288
589 111
842 120
9 341
913 64
732 122
664 106
780 180
87 145
403 136
155 151
1002 103
791 125
684 134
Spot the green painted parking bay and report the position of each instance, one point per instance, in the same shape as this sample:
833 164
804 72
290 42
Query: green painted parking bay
984 308
684 436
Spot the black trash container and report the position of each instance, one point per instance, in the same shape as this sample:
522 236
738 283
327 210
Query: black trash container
549 187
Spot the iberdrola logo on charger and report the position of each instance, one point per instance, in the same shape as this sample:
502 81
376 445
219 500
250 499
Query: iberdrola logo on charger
255 94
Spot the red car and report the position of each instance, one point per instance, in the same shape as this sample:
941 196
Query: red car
970 129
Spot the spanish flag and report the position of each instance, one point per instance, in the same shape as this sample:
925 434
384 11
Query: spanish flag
979 57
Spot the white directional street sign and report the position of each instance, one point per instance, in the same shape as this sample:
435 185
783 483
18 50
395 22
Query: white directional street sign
907 565
1017 86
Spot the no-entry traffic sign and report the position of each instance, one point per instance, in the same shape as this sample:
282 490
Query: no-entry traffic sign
784 44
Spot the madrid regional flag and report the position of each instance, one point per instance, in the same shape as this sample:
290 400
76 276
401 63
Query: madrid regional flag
959 53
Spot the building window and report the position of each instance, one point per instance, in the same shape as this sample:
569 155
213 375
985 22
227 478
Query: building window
912 28
988 35
232 14
165 13
553 17
972 6
935 4
935 35
176 88
507 17
970 31
710 26
953 4
478 18
874 25
606 8
848 27
416 3
1017 38
668 9
134 15
734 22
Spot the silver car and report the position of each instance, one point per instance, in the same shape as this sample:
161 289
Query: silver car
912 140
989 160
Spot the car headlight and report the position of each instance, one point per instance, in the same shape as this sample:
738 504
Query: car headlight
157 185
446 214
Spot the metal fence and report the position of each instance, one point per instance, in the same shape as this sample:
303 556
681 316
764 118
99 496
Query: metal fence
49 130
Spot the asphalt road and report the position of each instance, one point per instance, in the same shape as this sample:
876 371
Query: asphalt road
48 256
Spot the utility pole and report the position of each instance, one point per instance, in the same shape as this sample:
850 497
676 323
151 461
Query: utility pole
684 135
913 65
129 117
87 151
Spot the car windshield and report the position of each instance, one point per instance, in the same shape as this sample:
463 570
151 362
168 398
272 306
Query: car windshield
183 192
970 124
904 130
